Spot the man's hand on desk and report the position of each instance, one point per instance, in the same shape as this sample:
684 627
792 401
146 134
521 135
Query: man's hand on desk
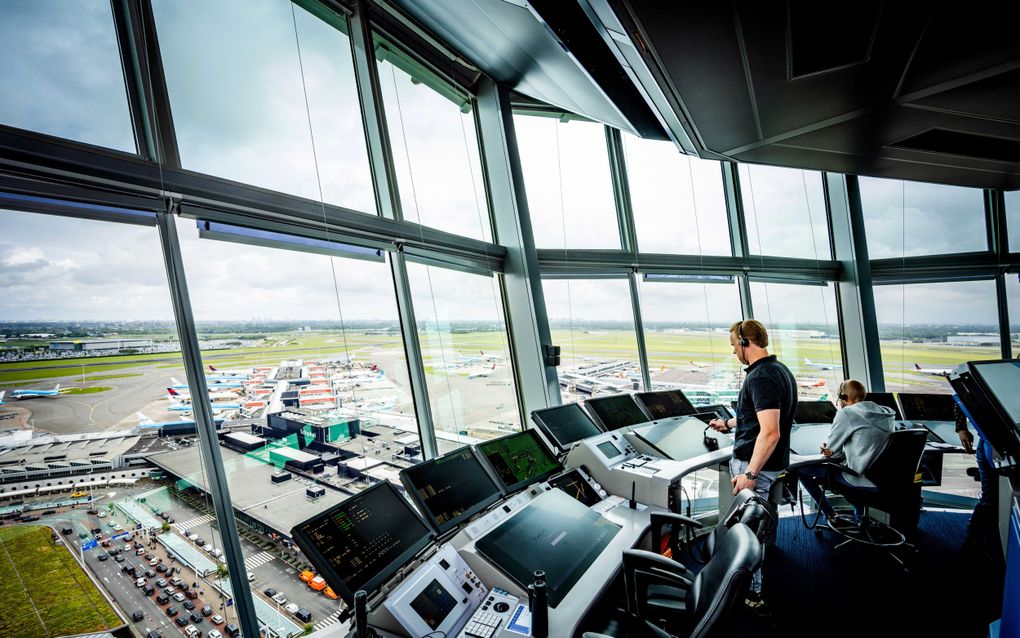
740 483
719 425
826 452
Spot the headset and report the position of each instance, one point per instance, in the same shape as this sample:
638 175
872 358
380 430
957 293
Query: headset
711 443
743 341
842 396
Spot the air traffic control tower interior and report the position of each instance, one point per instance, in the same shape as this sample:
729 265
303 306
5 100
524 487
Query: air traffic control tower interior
440 318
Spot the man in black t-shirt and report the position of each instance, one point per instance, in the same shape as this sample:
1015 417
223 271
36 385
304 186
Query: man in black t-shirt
765 409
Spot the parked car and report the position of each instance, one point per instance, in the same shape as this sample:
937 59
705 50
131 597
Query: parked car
196 618
149 573
216 619
149 590
213 633
65 530
291 608
303 615
181 621
171 610
192 594
192 631
206 610
162 598
232 630
251 577
161 583
119 558
169 591
161 568
280 598
269 591
179 597
190 606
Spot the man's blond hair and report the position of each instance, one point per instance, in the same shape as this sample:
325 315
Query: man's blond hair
753 331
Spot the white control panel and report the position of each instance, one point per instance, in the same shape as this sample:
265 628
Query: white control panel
492 619
439 597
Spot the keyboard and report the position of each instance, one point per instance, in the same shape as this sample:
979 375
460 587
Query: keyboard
607 504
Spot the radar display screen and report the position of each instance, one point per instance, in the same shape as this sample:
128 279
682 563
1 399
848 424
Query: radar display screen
565 424
362 542
576 487
927 407
665 404
433 604
450 488
519 459
885 398
553 533
1003 379
814 412
616 412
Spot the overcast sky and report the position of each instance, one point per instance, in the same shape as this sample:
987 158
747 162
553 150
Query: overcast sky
238 73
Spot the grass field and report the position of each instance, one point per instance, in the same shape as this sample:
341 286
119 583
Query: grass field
665 349
44 590
89 390
107 377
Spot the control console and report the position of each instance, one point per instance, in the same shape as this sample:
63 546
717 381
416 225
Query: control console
493 618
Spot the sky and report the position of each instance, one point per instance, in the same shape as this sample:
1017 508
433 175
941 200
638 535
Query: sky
239 72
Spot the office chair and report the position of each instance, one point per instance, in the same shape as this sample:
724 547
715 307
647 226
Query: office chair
747 508
892 485
709 598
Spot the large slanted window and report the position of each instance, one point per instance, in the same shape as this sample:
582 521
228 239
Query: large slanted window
435 148
263 92
906 219
569 188
466 354
1013 299
686 326
62 72
928 329
784 211
593 323
1013 220
677 200
804 333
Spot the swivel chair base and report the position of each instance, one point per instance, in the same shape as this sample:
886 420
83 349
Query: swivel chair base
870 532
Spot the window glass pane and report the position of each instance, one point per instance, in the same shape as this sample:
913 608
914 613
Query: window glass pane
239 72
804 333
309 359
687 337
466 354
62 72
686 334
593 323
85 305
905 219
926 329
784 211
677 200
435 153
1013 220
569 187
1013 299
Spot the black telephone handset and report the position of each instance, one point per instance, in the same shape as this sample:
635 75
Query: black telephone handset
711 442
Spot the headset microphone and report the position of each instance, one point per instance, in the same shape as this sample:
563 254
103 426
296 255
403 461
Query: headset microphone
710 442
744 342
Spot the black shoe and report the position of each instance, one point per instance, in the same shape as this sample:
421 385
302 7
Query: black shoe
756 605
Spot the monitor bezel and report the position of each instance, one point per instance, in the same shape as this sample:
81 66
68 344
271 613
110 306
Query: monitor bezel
639 399
327 570
466 514
510 489
588 403
800 403
1004 414
536 416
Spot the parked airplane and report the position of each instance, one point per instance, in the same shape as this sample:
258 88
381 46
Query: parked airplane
230 373
2 402
823 366
146 422
178 387
812 384
939 372
482 373
31 394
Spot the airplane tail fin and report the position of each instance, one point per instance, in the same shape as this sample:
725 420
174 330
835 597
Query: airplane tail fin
142 419
917 367
173 393
56 388
807 361
2 395
213 369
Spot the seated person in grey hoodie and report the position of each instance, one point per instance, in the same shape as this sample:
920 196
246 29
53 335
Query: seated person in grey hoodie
858 434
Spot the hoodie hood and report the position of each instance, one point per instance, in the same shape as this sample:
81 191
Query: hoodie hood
879 416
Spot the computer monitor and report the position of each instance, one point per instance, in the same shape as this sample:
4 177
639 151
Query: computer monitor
577 487
683 440
927 407
449 489
814 412
884 398
362 542
565 425
987 390
615 412
518 460
554 533
665 404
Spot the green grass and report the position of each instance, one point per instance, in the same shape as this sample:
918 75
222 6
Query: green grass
105 377
13 377
89 390
44 590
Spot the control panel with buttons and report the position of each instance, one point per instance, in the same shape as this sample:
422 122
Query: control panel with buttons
492 617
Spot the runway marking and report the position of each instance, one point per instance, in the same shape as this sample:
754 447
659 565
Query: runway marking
331 619
186 525
258 559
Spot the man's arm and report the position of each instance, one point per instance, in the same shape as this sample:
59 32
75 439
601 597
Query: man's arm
839 434
764 445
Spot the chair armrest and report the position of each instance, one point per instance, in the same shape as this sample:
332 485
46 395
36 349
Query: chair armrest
659 519
842 469
665 568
